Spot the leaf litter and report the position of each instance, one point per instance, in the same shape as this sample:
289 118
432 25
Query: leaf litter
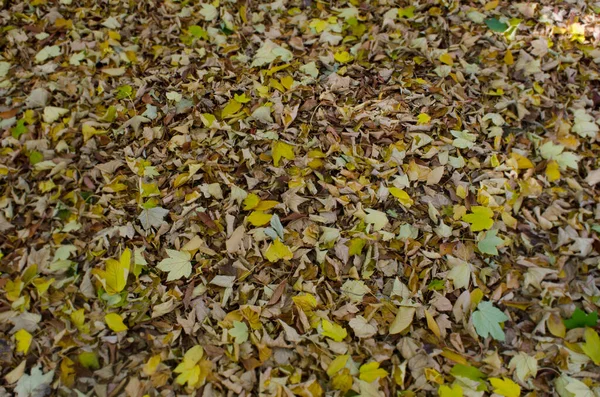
299 198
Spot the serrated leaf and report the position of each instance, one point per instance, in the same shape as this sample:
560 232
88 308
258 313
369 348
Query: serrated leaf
487 319
581 319
269 52
370 372
355 290
178 264
36 384
282 150
239 332
377 218
152 217
490 243
277 251
524 365
463 139
450 391
480 218
505 387
259 218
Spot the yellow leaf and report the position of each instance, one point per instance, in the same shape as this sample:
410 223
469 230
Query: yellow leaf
278 251
231 109
505 387
193 370
423 118
370 372
115 322
480 218
78 318
433 376
287 82
114 278
402 196
343 57
447 59
333 331
23 339
447 391
266 205
152 365
553 171
251 201
342 380
591 347
281 149
522 162
337 364
259 218
508 58
556 325
491 5
432 324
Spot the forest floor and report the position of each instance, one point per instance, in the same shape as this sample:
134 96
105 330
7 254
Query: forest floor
299 198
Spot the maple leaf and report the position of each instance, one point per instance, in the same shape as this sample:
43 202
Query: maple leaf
193 370
152 217
486 320
370 372
282 150
505 387
278 251
36 384
580 319
178 264
480 218
490 243
239 332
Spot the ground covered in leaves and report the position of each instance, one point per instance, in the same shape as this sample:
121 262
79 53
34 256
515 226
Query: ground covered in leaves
299 198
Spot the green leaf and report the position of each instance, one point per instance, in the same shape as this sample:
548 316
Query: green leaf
178 264
580 319
239 332
198 32
35 157
480 218
495 25
89 360
487 321
467 371
490 243
406 12
124 91
18 129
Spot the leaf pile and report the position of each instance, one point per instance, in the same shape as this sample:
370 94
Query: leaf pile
299 198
